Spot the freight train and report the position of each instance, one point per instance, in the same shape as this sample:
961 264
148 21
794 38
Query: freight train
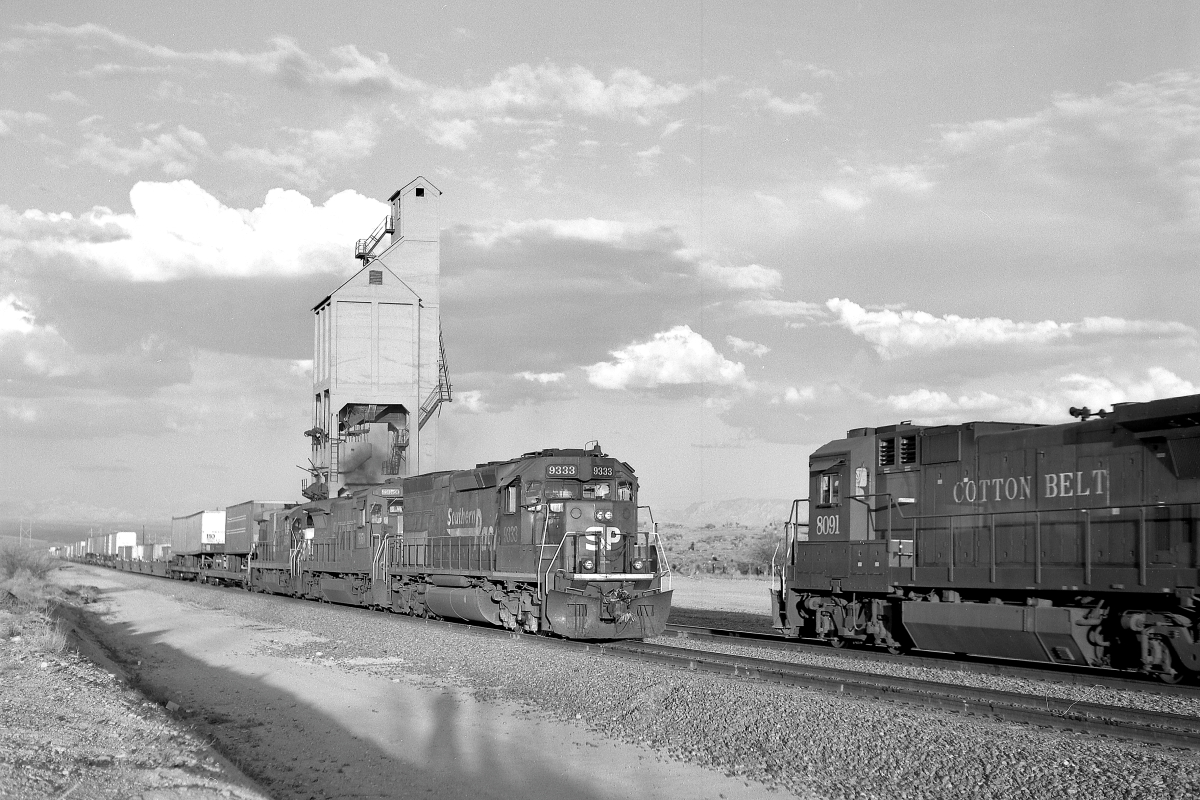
546 543
1070 544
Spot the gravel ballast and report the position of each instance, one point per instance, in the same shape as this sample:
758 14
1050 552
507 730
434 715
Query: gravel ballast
1146 699
807 743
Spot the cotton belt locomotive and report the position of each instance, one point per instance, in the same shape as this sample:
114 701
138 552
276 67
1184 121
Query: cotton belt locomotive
1071 544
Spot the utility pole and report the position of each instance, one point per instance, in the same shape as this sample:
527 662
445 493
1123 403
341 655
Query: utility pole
24 529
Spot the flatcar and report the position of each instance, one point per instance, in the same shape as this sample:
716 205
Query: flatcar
1071 544
546 543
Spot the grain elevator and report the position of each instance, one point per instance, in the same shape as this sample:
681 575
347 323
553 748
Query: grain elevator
379 369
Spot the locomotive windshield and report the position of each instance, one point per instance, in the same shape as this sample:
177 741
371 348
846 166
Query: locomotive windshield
575 490
596 490
562 490
537 491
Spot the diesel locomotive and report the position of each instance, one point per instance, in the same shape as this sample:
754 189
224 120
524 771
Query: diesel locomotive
1070 544
549 542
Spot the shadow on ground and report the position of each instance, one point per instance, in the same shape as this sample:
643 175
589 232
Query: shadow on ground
427 742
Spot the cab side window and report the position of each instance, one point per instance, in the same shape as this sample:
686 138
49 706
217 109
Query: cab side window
831 486
512 497
377 513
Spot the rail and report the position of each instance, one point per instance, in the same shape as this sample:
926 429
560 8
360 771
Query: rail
1175 730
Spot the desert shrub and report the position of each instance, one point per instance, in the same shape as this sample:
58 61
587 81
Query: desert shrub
14 560
46 636
24 592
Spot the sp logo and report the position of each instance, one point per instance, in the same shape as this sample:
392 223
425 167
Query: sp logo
598 535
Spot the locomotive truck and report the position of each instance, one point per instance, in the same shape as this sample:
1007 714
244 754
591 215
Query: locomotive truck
1070 544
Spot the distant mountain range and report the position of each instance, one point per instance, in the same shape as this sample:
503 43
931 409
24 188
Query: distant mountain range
750 512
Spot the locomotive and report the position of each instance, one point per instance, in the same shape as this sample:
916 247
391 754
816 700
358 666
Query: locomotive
1069 544
548 542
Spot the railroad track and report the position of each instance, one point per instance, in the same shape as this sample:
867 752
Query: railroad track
1175 730
1081 676
1172 730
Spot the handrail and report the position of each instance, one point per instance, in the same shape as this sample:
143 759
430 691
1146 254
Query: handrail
541 550
378 556
662 553
790 530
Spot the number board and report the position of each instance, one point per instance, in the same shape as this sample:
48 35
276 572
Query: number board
602 472
560 471
389 492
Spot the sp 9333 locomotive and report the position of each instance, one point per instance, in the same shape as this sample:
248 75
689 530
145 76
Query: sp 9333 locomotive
548 542
1072 544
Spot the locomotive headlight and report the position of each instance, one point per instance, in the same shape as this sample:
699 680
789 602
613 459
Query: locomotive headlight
608 515
587 565
638 564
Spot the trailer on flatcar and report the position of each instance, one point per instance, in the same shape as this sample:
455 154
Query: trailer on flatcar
1072 544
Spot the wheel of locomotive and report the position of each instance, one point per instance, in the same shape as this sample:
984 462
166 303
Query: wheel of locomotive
1178 672
837 642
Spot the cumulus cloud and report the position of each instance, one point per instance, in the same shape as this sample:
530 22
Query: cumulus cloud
178 229
304 160
1041 401
671 127
598 231
794 397
674 357
647 160
627 94
14 316
66 96
803 104
541 377
767 307
858 186
745 346
36 359
456 134
750 278
1133 144
471 401
10 119
845 199
175 153
352 70
897 333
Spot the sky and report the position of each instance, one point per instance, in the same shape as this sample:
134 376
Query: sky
712 236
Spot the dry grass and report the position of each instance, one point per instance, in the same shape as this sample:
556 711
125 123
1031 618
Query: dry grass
46 635
16 561
26 601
